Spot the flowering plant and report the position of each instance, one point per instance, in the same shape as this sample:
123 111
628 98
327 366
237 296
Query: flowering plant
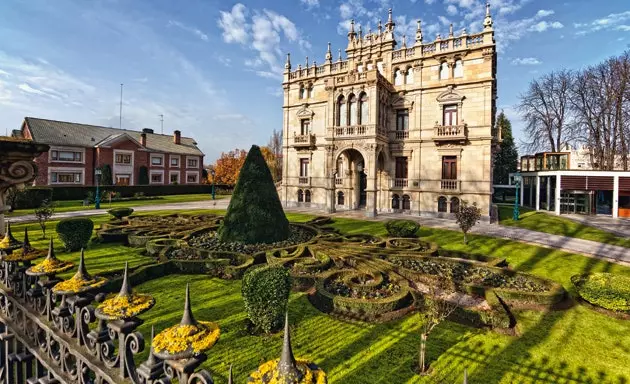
50 267
125 307
268 373
77 284
181 338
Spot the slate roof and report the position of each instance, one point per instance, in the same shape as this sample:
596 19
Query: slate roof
84 135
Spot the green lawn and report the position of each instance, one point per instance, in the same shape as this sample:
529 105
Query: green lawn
558 225
576 345
75 205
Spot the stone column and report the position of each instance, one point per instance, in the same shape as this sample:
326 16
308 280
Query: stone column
548 178
522 191
615 206
538 193
557 197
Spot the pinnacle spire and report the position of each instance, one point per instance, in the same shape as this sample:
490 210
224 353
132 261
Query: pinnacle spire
404 42
287 65
339 59
351 33
51 251
450 30
419 32
125 289
152 358
380 27
487 22
188 318
82 272
287 366
306 66
328 54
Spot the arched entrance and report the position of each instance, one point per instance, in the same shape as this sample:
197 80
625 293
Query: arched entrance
351 178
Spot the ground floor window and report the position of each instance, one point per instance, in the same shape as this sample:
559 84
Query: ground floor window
307 196
454 204
123 179
66 177
174 178
191 178
395 202
156 178
300 196
442 204
406 202
340 198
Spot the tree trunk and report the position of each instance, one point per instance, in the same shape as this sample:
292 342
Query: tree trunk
423 351
465 238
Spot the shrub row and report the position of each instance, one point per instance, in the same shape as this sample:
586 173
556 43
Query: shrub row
30 198
81 192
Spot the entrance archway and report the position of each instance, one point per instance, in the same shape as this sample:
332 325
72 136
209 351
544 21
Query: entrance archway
351 170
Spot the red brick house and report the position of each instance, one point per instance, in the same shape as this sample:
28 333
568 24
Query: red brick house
76 150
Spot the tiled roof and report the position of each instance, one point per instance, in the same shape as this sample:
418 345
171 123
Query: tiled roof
83 135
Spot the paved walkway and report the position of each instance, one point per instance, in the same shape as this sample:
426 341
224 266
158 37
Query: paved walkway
619 227
590 248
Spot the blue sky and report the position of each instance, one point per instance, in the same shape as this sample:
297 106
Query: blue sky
213 68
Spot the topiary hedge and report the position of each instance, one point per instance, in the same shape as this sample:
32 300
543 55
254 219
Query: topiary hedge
265 292
605 290
402 228
75 233
119 213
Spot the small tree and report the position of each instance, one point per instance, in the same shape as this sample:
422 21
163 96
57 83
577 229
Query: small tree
436 309
467 216
266 292
106 175
43 214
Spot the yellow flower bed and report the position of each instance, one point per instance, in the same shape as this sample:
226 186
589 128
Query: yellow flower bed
268 374
18 255
78 285
180 338
51 266
122 307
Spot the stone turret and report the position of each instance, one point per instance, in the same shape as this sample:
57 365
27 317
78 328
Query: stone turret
419 33
487 22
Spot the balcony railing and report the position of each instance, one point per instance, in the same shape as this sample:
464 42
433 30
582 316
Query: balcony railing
400 183
307 140
304 180
449 184
401 135
449 132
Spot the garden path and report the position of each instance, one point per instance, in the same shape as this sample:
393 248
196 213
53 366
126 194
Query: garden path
608 252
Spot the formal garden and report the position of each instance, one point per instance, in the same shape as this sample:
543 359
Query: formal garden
272 297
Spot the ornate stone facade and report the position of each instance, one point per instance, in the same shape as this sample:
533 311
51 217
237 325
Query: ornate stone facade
393 127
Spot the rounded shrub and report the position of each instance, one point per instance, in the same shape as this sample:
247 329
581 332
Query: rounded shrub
266 293
75 233
402 228
119 213
605 290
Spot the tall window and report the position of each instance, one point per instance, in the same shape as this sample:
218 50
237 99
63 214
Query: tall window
304 167
340 198
401 168
406 202
340 167
454 204
300 196
352 110
450 115
309 91
395 202
341 112
402 120
459 69
449 167
123 158
305 127
443 71
363 109
302 92
442 204
307 196
398 77
409 76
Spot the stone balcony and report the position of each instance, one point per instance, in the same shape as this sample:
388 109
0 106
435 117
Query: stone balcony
357 131
450 133
301 141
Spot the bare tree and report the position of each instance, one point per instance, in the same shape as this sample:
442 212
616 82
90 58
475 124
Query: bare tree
546 110
275 144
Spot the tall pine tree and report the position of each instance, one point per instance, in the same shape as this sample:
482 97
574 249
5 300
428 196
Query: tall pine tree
506 160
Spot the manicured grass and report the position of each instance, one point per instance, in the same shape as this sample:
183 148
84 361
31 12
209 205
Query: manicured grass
558 225
577 345
75 205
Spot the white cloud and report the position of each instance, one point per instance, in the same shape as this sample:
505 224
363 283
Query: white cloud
526 61
190 29
275 91
310 3
426 1
224 60
624 28
234 24
544 13
614 21
444 20
542 26
451 10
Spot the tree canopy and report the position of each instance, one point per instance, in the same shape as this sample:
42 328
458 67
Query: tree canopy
506 160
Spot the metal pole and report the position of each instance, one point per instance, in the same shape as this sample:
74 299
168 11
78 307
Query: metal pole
516 213
97 198
213 191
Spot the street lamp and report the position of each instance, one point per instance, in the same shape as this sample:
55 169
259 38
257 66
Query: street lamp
212 172
97 198
517 183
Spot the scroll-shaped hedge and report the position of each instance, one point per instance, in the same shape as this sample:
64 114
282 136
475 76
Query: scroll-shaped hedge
606 290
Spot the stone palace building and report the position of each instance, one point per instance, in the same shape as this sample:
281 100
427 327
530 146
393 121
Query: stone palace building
394 127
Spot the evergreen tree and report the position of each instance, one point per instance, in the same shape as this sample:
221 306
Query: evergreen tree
506 160
255 214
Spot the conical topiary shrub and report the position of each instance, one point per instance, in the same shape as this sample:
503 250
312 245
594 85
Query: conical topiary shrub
255 214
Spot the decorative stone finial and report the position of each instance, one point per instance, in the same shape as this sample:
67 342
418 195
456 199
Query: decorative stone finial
464 33
419 32
287 65
438 37
306 66
314 64
487 22
188 318
390 22
125 289
360 32
287 366
404 42
380 27
339 59
351 33
328 54
450 30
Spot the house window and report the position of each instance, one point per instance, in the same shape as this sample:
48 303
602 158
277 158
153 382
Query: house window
442 204
454 204
156 160
409 76
360 68
341 112
406 202
443 71
65 177
307 196
363 109
402 120
300 196
174 178
310 91
305 127
191 178
340 198
156 178
123 179
193 163
302 92
123 158
395 202
401 167
71 156
450 115
174 161
459 69
352 109
304 167
449 167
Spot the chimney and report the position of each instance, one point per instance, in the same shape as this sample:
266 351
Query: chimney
177 137
147 130
143 139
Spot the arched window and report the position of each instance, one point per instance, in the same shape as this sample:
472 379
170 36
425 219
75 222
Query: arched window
409 76
307 196
352 110
399 77
454 204
300 196
340 198
459 68
406 202
341 112
309 91
363 109
442 204
302 92
395 202
443 71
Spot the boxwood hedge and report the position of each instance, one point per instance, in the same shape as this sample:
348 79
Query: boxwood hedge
605 290
402 228
75 233
265 292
